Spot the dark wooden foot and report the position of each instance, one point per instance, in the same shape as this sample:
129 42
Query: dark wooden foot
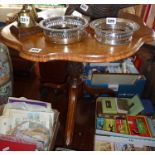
71 114
74 92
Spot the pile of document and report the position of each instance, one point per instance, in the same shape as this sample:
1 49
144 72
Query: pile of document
28 120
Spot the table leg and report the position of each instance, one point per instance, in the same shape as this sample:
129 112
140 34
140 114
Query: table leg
75 83
71 114
75 91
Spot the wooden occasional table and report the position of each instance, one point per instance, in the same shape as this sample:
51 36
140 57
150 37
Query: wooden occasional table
88 50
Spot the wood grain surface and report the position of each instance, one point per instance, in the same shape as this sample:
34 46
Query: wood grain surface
88 50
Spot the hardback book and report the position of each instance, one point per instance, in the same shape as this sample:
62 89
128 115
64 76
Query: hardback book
13 143
109 125
103 146
130 147
136 106
100 122
112 105
99 110
109 105
106 124
122 105
102 135
138 125
116 124
131 106
121 126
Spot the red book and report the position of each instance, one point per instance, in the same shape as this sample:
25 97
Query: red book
138 126
8 143
121 126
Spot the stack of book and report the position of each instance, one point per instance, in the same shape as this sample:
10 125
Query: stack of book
112 105
120 120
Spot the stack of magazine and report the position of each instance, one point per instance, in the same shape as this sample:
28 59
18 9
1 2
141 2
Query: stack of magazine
120 125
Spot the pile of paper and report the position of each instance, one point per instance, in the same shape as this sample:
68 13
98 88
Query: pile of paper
30 120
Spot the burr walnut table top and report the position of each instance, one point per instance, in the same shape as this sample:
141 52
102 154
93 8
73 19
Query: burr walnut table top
88 50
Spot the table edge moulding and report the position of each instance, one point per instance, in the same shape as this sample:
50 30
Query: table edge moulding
88 50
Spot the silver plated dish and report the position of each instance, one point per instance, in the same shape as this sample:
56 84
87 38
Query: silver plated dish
117 33
64 29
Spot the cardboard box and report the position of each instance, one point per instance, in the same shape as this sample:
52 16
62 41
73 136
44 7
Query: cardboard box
11 145
124 84
118 137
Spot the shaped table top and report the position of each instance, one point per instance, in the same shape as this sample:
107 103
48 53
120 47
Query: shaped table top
88 50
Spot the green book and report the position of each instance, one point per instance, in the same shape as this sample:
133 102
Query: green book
109 105
109 125
136 106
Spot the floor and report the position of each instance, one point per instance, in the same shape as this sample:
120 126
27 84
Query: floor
28 86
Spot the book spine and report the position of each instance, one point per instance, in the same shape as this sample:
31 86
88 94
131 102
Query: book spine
117 137
152 129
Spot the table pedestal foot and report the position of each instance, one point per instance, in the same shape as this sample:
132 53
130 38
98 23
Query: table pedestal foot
71 114
75 83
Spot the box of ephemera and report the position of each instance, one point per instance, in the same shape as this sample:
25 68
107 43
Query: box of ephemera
32 123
